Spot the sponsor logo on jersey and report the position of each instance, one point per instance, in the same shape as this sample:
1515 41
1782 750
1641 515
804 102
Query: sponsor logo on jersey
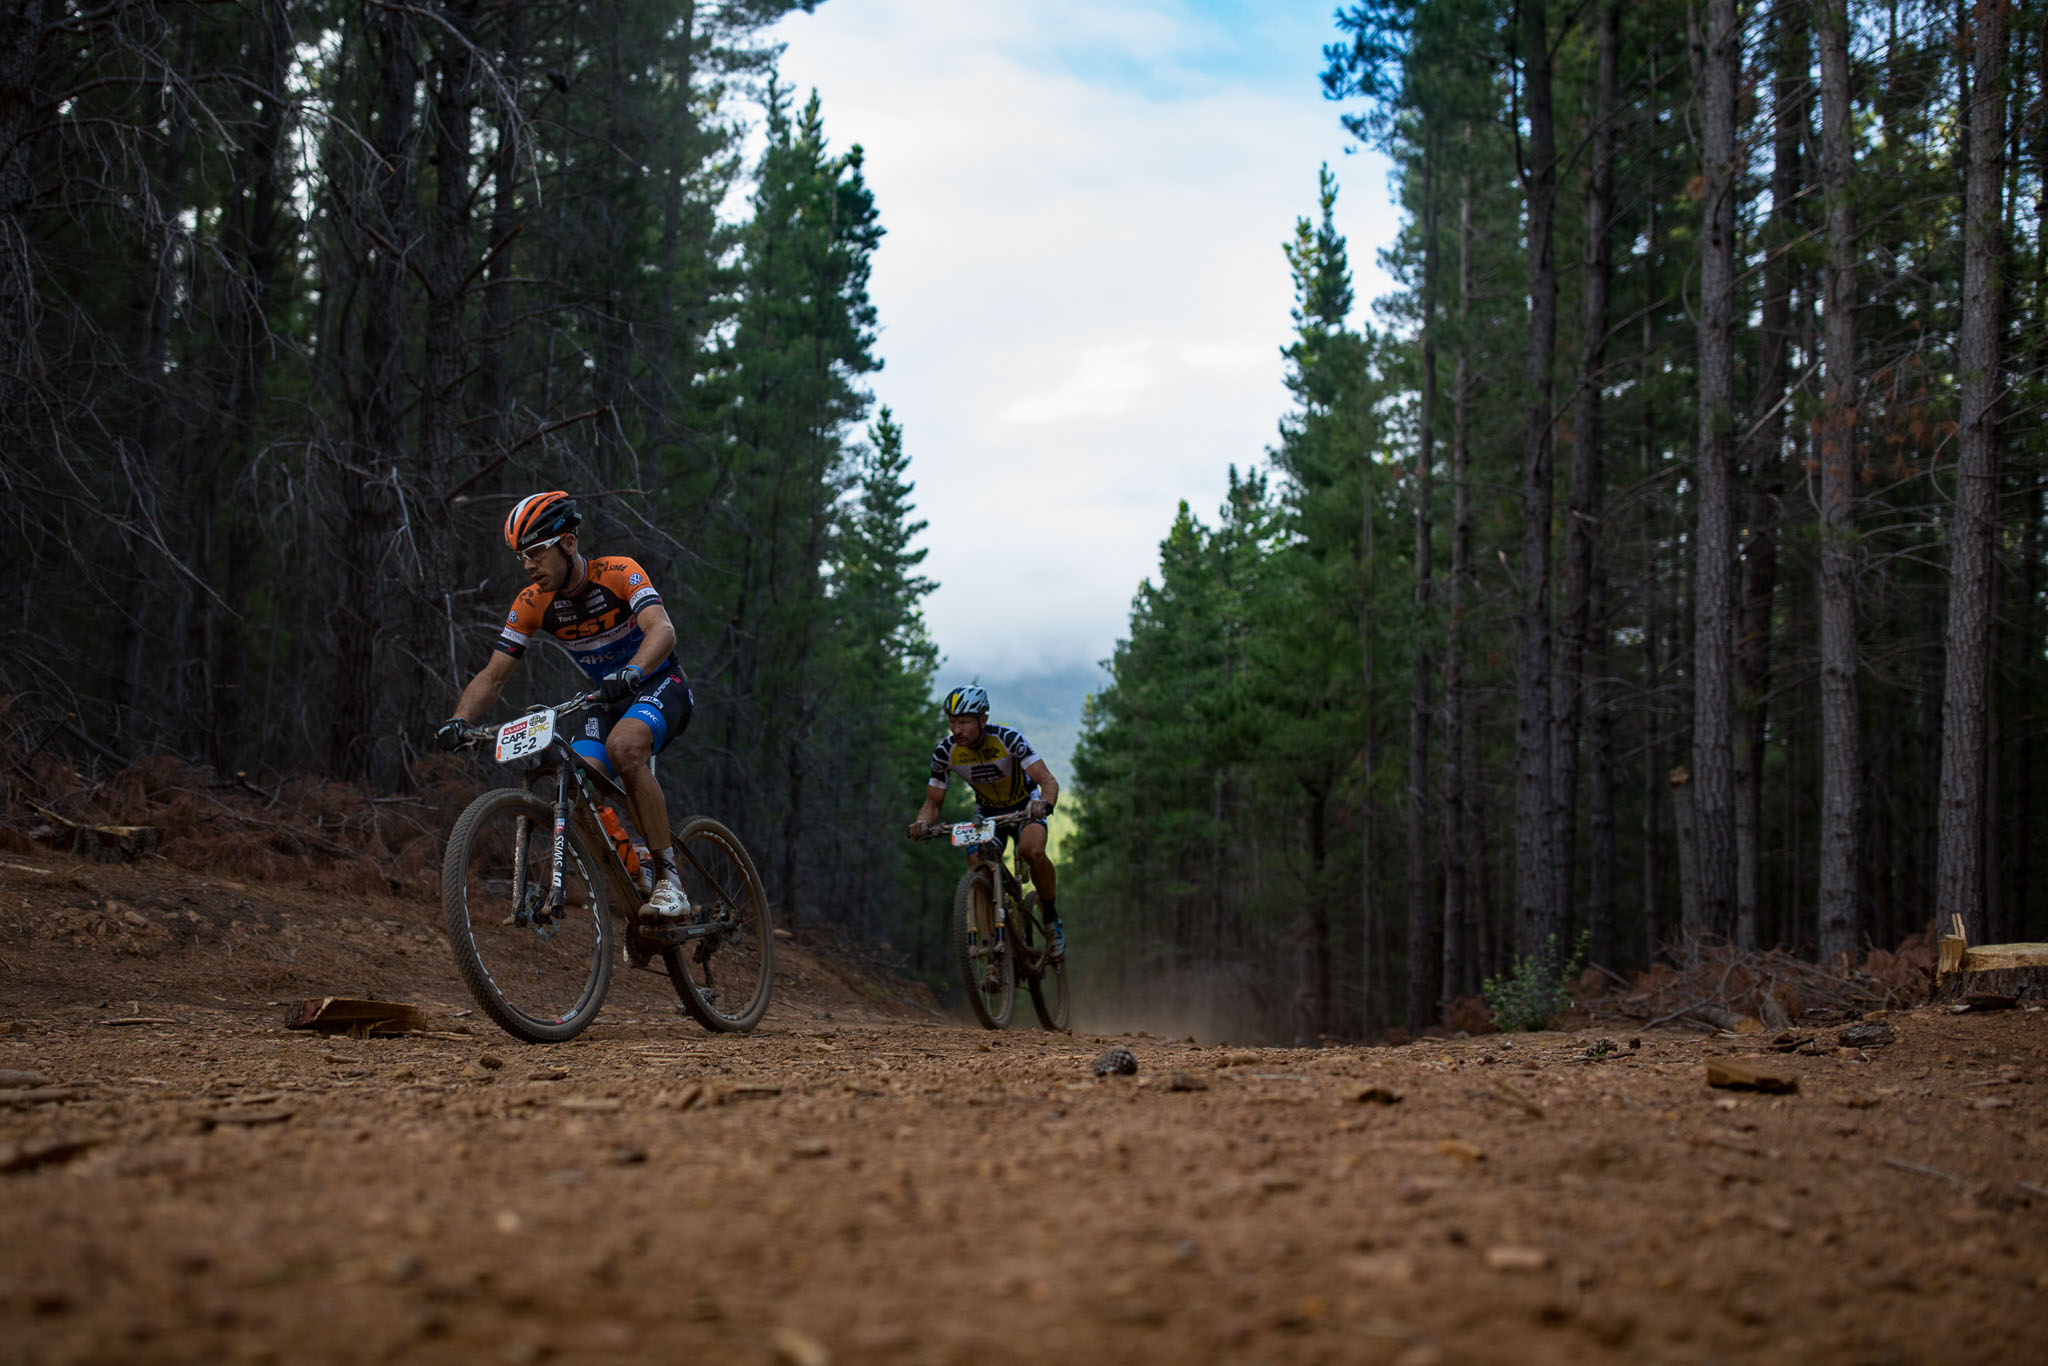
632 579
982 774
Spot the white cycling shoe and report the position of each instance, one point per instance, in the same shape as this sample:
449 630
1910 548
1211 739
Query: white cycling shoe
667 903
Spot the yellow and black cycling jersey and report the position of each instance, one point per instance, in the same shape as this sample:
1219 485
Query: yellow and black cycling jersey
994 768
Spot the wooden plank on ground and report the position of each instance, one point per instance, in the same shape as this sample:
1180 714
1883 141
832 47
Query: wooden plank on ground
349 1015
1725 1072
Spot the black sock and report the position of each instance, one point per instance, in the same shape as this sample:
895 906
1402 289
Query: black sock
1051 913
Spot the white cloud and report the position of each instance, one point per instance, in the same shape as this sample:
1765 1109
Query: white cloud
1082 292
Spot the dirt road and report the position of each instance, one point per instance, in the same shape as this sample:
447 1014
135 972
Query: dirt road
863 1181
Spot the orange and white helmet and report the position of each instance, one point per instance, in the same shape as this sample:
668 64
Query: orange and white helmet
541 517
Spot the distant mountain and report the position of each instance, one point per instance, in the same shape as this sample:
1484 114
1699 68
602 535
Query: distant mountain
1045 705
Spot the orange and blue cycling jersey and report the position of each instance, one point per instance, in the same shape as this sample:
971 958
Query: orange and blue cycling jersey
994 768
595 621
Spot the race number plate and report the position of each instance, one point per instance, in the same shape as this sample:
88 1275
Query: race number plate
968 833
528 735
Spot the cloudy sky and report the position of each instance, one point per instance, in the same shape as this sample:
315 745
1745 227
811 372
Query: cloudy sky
1082 293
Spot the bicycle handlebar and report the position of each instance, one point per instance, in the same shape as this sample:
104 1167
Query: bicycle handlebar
944 829
477 731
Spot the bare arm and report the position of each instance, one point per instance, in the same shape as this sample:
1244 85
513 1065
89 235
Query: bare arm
659 638
482 693
929 812
1048 786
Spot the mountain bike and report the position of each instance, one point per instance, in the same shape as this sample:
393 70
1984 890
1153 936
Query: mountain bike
999 937
531 885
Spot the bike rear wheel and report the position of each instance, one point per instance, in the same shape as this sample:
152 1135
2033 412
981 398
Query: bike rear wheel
724 977
539 972
1044 976
987 972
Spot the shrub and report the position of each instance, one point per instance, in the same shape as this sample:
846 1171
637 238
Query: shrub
1532 992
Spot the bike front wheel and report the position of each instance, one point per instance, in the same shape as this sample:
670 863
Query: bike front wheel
724 974
537 969
985 967
1044 975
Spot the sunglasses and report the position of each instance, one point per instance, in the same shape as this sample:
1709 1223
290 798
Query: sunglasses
533 552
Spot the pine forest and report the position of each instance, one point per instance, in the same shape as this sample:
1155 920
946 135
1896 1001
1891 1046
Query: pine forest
296 298
1659 566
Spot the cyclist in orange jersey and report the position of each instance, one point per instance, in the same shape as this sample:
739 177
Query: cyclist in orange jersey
607 614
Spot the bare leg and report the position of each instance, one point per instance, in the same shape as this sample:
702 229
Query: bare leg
1031 844
630 746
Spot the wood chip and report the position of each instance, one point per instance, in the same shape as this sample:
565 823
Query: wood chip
733 1093
1382 1268
248 1118
22 1157
795 1348
1377 1095
1460 1151
1508 1258
595 1105
39 1095
1737 1076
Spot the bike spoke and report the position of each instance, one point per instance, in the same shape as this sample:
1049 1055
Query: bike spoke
539 970
723 977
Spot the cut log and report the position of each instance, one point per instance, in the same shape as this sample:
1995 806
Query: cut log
105 843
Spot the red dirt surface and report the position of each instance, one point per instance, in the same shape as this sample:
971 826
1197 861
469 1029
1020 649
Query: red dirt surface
862 1180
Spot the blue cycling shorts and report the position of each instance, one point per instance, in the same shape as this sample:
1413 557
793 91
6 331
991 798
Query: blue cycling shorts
664 703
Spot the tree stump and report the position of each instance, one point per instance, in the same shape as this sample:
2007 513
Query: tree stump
1964 970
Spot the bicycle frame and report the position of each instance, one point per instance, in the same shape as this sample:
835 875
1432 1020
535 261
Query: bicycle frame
580 788
1017 870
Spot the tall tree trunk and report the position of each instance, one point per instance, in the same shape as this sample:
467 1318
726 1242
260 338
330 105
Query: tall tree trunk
1651 856
361 735
1960 877
1373 970
1460 857
21 46
493 380
1583 528
1424 955
1713 777
1841 724
1765 460
147 464
1538 914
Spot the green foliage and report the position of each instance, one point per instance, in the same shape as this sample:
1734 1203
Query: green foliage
1535 988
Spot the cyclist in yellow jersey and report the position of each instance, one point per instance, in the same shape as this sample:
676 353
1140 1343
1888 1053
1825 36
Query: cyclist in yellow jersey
1007 776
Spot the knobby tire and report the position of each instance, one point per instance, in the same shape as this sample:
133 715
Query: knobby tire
1048 983
989 978
724 980
540 978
